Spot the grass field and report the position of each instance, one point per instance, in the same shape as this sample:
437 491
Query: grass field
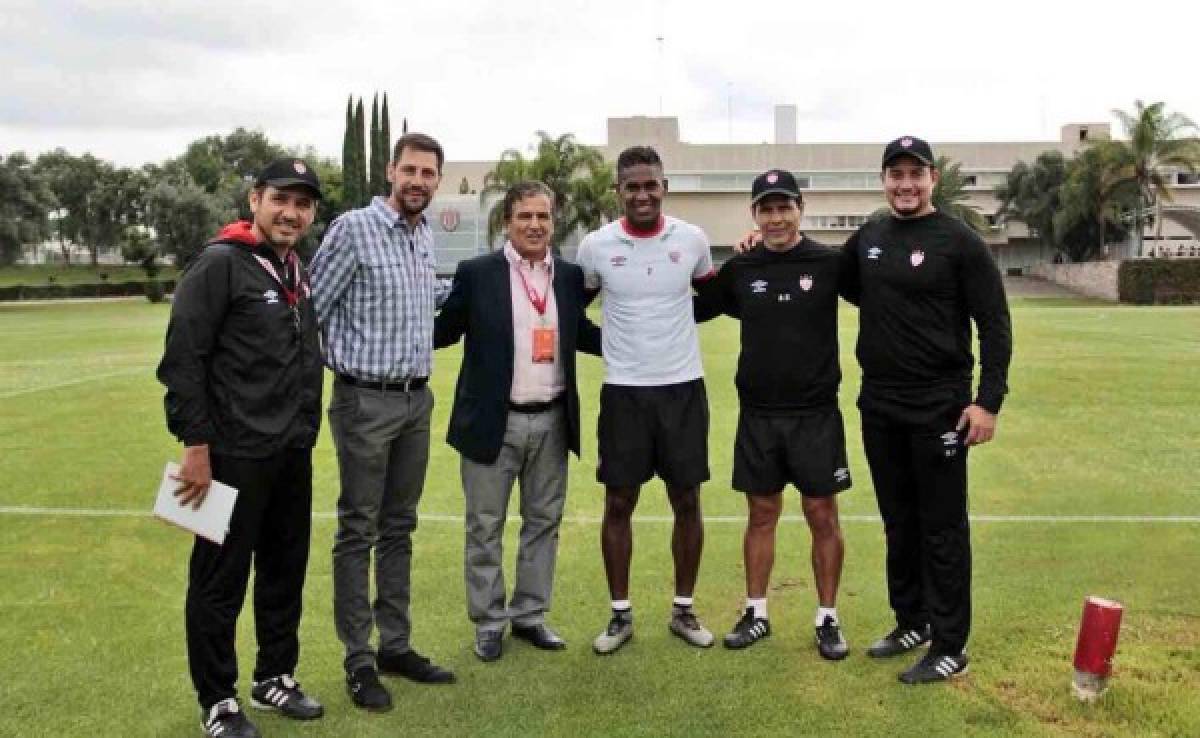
44 274
1102 421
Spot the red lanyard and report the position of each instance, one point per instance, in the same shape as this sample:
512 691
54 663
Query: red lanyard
538 301
291 295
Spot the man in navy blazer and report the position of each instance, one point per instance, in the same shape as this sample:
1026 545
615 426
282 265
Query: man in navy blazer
516 412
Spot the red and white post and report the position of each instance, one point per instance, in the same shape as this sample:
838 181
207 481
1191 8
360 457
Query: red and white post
1096 646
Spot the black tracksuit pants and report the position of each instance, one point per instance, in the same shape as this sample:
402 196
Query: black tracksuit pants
920 477
270 526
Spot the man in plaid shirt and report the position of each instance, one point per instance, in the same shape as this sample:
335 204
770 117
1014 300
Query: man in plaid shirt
375 292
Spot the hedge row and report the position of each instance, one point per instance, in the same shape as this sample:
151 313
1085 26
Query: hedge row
151 290
1159 281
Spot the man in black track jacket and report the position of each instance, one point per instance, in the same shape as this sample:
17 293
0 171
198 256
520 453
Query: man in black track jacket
242 368
785 293
923 277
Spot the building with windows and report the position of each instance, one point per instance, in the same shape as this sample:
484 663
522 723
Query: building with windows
710 183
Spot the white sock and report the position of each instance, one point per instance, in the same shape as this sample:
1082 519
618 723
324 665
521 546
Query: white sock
824 612
621 606
759 606
682 601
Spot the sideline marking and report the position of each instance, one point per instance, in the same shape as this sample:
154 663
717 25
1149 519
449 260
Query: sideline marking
83 512
72 382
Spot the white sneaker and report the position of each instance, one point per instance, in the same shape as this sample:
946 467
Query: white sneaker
686 625
619 630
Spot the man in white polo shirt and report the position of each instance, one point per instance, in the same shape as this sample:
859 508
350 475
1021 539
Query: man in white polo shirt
653 406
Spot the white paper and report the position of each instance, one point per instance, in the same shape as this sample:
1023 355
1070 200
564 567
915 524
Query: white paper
211 521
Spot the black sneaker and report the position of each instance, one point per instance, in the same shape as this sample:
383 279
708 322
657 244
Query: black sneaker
748 630
414 666
283 693
830 643
226 720
367 692
900 640
935 668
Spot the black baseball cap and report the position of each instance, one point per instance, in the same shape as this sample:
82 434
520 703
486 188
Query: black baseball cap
774 182
290 172
908 146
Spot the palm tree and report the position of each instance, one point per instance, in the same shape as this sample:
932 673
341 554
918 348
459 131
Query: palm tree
577 174
1159 143
1031 195
950 195
1090 201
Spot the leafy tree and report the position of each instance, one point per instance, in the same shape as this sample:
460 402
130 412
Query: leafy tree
950 195
582 183
183 215
1159 143
1031 195
139 246
1090 203
25 202
97 199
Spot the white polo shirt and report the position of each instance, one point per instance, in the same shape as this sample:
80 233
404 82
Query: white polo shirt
649 332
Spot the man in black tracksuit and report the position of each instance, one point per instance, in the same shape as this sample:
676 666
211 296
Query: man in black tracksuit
242 368
923 277
785 293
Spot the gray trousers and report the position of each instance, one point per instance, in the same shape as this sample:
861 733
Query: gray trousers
535 454
382 441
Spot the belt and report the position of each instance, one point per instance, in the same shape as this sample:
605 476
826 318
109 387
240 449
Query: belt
532 408
403 385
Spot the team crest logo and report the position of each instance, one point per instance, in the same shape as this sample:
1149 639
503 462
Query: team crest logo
299 167
806 282
674 255
916 257
772 178
874 252
758 285
271 296
449 219
617 261
906 142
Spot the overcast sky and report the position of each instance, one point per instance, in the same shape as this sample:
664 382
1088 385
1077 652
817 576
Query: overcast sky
136 81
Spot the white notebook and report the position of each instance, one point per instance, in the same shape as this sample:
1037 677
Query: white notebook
211 521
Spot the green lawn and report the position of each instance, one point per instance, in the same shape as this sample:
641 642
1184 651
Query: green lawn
43 274
1101 422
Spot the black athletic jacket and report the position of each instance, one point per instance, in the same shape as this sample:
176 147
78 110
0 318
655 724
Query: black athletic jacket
241 367
787 303
921 283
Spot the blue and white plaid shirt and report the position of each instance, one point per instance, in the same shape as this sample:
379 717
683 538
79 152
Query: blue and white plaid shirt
375 289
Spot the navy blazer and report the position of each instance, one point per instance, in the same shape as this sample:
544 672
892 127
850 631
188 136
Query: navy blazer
480 307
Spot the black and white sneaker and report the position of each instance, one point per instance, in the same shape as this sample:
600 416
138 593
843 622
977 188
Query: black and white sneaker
283 693
900 640
830 643
226 720
935 668
748 630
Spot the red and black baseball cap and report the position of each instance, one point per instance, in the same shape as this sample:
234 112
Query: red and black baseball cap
774 182
290 172
908 146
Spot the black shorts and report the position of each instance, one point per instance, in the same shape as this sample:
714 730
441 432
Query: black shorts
645 431
807 449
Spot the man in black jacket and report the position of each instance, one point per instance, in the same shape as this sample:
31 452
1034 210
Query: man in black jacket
924 277
242 368
516 412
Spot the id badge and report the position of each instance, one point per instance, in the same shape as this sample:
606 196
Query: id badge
543 345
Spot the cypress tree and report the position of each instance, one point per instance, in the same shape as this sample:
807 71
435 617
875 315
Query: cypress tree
350 196
377 161
360 154
385 136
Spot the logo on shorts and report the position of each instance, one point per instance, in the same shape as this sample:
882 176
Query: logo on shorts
758 286
271 296
449 219
841 475
299 167
806 282
674 255
874 252
617 261
916 257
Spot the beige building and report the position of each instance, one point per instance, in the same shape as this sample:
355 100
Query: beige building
710 183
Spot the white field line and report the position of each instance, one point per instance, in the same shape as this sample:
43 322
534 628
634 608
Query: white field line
72 382
83 512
